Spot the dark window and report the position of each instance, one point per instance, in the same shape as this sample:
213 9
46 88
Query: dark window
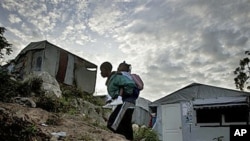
236 114
38 63
214 115
208 116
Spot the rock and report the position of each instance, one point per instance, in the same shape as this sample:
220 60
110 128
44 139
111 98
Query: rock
49 85
53 138
24 101
59 134
135 127
91 111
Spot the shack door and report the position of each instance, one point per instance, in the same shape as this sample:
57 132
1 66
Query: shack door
171 122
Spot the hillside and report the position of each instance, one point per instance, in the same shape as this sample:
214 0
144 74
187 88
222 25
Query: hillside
19 122
29 112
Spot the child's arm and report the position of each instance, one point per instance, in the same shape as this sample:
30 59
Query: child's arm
121 92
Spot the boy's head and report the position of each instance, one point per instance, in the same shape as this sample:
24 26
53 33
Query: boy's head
106 69
124 67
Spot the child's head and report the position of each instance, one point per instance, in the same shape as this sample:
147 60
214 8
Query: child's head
124 67
106 69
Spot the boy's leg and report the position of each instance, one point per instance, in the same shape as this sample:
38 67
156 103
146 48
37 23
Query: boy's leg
112 117
121 114
126 124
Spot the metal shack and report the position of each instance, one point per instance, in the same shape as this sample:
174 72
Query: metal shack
66 67
200 112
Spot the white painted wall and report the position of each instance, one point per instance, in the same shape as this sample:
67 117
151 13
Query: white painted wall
194 132
209 133
190 130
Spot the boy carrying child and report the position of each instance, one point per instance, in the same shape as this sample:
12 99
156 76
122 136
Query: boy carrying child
119 84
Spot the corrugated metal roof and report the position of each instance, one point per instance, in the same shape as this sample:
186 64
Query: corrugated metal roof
197 91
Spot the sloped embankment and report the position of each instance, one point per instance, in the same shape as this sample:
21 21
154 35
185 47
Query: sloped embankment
23 123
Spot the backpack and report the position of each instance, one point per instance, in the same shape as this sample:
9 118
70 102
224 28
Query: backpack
139 83
137 79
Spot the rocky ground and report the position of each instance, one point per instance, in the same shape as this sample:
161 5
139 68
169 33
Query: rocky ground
19 122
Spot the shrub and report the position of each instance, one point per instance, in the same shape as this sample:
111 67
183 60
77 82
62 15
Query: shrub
145 133
11 88
70 92
8 87
30 85
48 103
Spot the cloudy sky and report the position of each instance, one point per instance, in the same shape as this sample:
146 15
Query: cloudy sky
170 43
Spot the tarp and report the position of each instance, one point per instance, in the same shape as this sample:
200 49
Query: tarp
141 115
